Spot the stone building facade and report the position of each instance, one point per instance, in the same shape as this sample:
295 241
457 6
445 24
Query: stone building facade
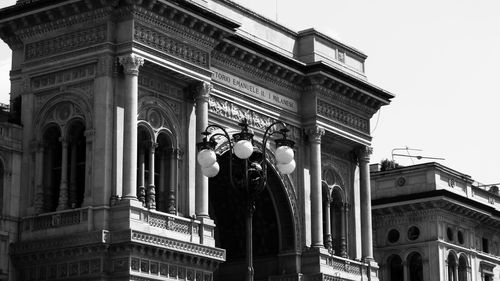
100 180
432 223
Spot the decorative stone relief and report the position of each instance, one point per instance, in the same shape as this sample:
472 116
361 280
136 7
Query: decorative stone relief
67 42
158 84
236 112
149 97
164 43
64 76
342 116
64 23
173 28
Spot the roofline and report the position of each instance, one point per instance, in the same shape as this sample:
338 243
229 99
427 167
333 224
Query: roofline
419 167
408 198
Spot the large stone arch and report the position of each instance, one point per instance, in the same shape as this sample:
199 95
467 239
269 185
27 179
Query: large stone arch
286 181
284 204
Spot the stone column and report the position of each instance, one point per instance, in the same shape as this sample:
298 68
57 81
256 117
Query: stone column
142 180
315 134
172 190
131 64
63 187
328 234
343 230
366 205
151 192
201 97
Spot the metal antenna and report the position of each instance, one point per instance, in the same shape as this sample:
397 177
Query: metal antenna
407 149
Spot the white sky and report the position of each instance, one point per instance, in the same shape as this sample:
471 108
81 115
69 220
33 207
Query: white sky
440 59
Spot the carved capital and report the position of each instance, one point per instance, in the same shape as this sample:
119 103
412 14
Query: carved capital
315 133
364 153
201 91
131 63
175 153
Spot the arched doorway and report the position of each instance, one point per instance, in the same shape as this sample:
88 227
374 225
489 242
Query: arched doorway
415 267
273 227
462 268
395 269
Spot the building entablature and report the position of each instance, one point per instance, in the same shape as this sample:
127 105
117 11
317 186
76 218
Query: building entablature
453 204
432 177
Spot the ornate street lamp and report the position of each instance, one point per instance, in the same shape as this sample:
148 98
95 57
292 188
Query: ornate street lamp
254 172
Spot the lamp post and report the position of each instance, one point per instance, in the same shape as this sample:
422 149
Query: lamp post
253 178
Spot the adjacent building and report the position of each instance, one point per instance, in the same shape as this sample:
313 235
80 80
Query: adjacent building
99 179
432 223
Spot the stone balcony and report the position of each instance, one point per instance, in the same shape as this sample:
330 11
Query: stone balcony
320 264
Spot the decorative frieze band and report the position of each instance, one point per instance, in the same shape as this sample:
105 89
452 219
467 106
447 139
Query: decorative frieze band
66 42
342 116
159 84
173 47
235 112
64 76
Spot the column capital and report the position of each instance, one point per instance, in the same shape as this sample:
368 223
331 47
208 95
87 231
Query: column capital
131 63
201 91
175 153
364 153
315 133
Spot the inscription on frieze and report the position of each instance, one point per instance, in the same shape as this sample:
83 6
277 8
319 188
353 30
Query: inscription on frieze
67 42
254 90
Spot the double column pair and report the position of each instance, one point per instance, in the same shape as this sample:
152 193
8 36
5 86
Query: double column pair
315 133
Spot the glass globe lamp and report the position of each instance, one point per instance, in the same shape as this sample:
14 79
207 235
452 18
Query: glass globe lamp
243 149
206 157
210 171
286 168
284 154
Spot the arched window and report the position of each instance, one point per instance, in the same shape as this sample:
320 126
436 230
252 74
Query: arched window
52 157
462 268
395 268
157 170
415 267
335 210
452 265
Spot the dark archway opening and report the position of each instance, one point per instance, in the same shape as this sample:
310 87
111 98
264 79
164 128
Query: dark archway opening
272 224
51 168
395 268
76 171
415 267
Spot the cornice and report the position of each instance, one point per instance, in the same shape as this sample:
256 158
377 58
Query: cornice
167 243
196 32
333 89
